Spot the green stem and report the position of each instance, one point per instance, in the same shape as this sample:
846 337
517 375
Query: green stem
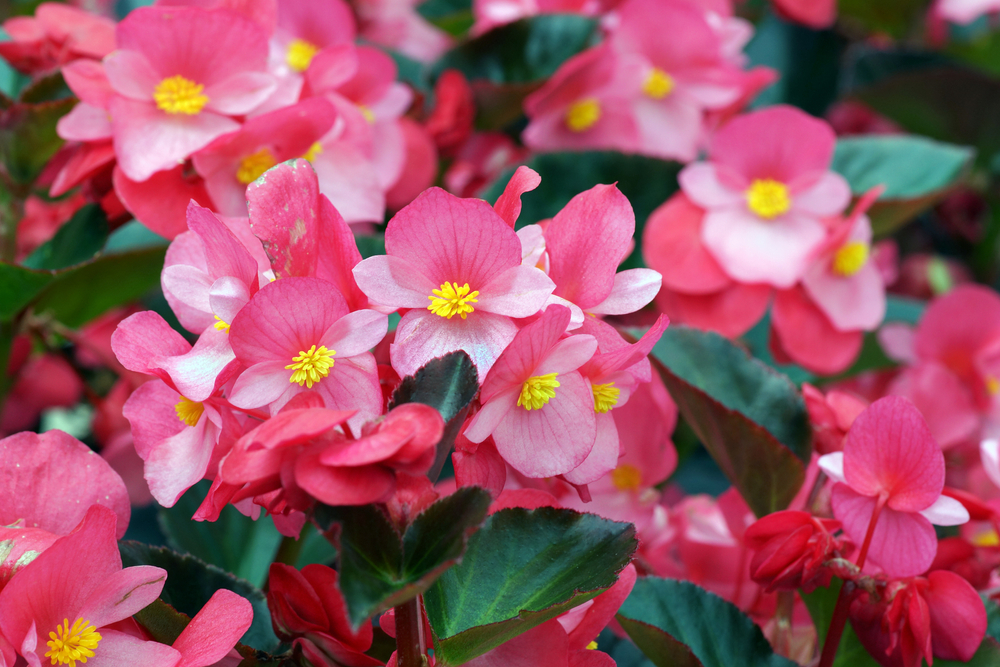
11 213
289 550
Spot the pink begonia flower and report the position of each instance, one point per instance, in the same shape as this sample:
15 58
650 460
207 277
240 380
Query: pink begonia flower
802 333
305 29
232 162
888 488
180 74
953 365
813 13
462 257
263 12
161 200
965 12
210 273
44 381
831 416
585 243
535 403
767 189
54 36
396 24
681 77
303 234
61 606
586 105
212 634
298 334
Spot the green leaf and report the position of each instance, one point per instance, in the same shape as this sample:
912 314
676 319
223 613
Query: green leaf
191 583
522 568
453 16
526 51
381 569
76 242
28 137
19 287
750 418
889 17
448 384
915 171
235 543
646 182
679 624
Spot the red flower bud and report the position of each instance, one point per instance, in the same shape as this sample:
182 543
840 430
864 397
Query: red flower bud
791 549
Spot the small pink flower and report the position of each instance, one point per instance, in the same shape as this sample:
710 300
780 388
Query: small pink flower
965 12
180 74
56 35
536 405
457 265
888 488
398 25
767 189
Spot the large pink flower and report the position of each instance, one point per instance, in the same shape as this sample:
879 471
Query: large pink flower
465 260
298 334
61 606
888 488
536 405
180 74
767 189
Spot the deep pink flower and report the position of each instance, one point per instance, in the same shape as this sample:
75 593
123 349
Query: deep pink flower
767 189
56 35
460 256
888 488
538 408
60 605
813 13
180 74
831 415
161 200
297 334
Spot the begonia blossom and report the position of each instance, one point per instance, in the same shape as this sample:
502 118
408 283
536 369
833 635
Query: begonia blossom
56 35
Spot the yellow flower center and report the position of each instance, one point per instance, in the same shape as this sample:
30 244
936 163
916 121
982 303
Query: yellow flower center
536 391
300 54
311 366
592 645
367 113
658 84
605 396
220 325
768 198
583 114
69 644
849 259
189 411
179 95
987 538
453 300
313 151
992 385
254 165
626 477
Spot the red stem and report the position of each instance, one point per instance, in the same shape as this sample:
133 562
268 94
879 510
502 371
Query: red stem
839 620
409 634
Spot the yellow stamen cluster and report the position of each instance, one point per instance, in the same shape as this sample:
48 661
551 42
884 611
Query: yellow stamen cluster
311 365
658 84
453 300
626 477
69 644
849 259
536 391
254 165
313 151
592 645
189 411
300 54
768 198
605 396
583 114
367 113
220 325
178 95
992 386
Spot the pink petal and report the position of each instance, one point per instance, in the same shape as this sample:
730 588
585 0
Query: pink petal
123 593
143 338
187 289
545 644
605 606
828 196
179 462
421 336
586 241
603 458
532 244
333 24
150 411
131 75
214 630
261 384
85 123
528 349
989 451
508 204
332 67
409 424
567 355
897 341
671 128
491 414
519 291
224 253
633 289
806 335
394 282
852 302
353 385
965 320
161 200
452 239
730 312
671 245
946 512
240 94
554 439
958 618
701 183
942 398
342 486
348 177
833 465
118 649
200 372
88 79
227 297
356 333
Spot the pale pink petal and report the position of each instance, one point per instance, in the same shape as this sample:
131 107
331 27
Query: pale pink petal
942 398
240 94
356 333
520 291
833 465
532 244
897 341
188 287
150 411
989 451
671 128
633 289
350 180
603 458
567 355
118 649
227 297
394 282
851 302
508 204
131 75
214 630
828 196
353 385
176 464
554 439
142 338
946 512
492 413
200 372
123 593
85 123
225 254
532 344
261 384
89 80
702 185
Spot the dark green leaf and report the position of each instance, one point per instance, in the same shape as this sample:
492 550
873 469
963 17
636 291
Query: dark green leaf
749 417
525 51
647 182
381 569
18 287
521 569
915 171
679 624
28 137
191 583
163 623
235 543
46 89
76 242
453 16
369 246
889 17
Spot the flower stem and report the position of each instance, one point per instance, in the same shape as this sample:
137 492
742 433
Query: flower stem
409 635
839 619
